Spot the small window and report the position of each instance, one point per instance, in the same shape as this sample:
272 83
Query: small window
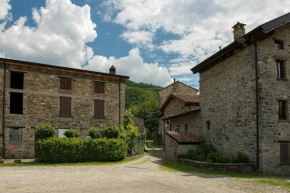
99 109
279 44
208 125
185 128
99 87
65 106
16 103
15 135
280 69
61 132
282 110
16 80
177 129
284 153
65 83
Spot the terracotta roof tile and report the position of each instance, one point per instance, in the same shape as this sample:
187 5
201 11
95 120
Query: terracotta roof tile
188 98
183 137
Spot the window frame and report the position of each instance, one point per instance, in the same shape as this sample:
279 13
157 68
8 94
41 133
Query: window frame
101 88
103 116
208 125
280 104
279 43
20 135
61 113
65 83
288 153
16 72
10 102
280 70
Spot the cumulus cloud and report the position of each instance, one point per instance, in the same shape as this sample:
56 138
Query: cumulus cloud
59 37
133 66
139 38
4 9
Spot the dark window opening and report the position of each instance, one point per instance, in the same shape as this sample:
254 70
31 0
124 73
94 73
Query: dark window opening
280 69
16 103
65 106
99 109
17 79
185 128
208 125
284 153
282 110
65 83
279 44
99 87
15 135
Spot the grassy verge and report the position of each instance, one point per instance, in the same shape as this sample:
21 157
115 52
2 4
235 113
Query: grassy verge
150 144
251 177
72 164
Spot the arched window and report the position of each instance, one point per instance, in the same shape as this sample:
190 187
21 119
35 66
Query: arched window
185 127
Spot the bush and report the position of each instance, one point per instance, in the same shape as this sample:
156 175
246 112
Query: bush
110 132
44 131
70 133
200 153
241 158
68 150
95 133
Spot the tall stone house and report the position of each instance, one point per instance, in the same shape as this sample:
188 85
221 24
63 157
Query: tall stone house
163 94
33 94
244 95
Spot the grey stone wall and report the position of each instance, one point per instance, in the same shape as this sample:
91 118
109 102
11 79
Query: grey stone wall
41 104
1 110
227 100
271 89
193 123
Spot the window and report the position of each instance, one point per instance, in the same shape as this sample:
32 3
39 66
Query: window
278 44
208 125
177 129
99 109
16 80
65 106
284 153
280 69
61 132
15 135
282 110
185 128
65 83
16 103
99 87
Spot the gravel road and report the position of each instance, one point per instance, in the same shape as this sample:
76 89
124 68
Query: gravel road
142 175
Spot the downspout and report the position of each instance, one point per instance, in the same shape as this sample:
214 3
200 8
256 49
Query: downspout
3 109
120 101
257 108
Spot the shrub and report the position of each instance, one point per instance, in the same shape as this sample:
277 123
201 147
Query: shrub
110 132
94 133
241 158
130 135
44 131
70 133
200 153
67 150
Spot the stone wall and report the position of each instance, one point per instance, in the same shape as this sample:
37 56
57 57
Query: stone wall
271 89
192 121
227 101
233 167
1 109
41 104
139 122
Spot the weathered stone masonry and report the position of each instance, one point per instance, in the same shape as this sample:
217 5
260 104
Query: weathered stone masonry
41 96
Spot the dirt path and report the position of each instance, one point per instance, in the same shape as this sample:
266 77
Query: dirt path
142 175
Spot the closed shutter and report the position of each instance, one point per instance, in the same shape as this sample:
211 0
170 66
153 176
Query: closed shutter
99 109
99 87
15 134
65 106
284 153
65 83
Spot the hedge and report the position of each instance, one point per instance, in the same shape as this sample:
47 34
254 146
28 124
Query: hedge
69 150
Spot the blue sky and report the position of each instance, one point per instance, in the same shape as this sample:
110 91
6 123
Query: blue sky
152 41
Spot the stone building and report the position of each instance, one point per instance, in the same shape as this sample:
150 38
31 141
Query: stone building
244 94
163 94
33 94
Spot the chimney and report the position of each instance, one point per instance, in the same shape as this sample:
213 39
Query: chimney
112 70
174 80
239 30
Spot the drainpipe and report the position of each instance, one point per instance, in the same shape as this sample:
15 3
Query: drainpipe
3 109
257 107
120 101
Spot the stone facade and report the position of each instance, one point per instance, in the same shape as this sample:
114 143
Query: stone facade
139 122
41 102
192 121
228 102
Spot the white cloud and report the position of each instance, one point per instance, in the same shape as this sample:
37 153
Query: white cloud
133 66
182 68
139 38
60 36
4 9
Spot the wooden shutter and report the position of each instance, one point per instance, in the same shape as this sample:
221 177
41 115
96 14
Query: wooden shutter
284 153
65 83
15 134
99 109
99 87
282 110
65 106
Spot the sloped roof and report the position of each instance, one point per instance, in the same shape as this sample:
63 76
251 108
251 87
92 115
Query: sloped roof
194 110
176 83
183 137
188 99
251 37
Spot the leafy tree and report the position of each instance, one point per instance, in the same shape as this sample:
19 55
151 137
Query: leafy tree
44 131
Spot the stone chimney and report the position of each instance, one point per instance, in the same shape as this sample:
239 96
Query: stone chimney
112 70
239 30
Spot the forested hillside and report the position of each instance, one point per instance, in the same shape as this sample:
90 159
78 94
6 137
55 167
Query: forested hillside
142 99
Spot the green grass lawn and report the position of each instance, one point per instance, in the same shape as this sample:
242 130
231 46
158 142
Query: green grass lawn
280 181
72 164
